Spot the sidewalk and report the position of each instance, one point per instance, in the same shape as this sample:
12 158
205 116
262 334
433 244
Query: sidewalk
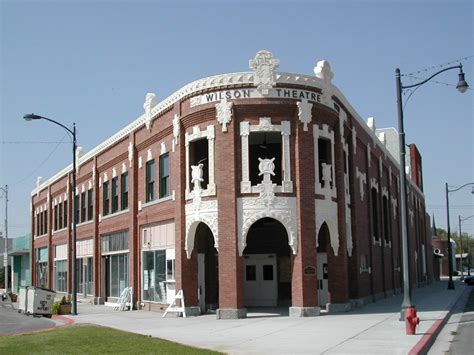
373 329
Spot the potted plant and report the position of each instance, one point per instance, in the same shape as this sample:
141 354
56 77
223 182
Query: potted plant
63 306
13 296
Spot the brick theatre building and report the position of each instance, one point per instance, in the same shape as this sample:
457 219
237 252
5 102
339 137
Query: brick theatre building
249 189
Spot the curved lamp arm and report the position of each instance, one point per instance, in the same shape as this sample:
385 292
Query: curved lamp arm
462 85
32 116
459 188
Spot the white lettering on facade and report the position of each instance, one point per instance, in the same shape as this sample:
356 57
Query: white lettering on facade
254 94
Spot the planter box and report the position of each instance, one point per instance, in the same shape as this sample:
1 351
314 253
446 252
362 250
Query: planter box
13 297
65 309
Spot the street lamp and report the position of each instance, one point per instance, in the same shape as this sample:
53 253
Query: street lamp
450 251
462 86
5 261
32 116
460 239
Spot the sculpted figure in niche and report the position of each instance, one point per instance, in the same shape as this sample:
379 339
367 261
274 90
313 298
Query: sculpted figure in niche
266 167
326 174
197 176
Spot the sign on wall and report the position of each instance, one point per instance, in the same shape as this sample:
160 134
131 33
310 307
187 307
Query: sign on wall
277 93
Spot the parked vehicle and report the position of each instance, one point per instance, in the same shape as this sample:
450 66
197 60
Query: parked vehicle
469 280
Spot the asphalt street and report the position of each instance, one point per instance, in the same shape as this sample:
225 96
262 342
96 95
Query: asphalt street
463 341
12 322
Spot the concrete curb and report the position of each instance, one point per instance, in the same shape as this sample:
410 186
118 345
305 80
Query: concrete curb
63 319
425 343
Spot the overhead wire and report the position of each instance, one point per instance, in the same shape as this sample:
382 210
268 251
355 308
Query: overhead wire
42 163
433 67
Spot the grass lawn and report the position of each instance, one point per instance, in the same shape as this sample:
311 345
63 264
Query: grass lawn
81 339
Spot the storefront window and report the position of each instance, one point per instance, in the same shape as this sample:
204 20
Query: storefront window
116 264
42 267
60 275
117 275
154 276
84 270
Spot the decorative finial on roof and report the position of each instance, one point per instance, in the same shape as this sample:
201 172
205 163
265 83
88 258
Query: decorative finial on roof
264 64
323 71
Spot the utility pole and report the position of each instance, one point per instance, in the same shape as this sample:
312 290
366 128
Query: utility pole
5 255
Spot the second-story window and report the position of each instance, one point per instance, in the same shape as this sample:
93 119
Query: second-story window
83 207
90 204
386 220
375 213
56 217
150 180
45 222
60 216
124 190
324 157
106 198
164 175
265 145
76 208
115 194
65 214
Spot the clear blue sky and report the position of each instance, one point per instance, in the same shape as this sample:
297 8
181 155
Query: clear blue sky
91 62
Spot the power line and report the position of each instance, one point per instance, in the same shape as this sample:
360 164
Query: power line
31 142
450 205
42 163
433 67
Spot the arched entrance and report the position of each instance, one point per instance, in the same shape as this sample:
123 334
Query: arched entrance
267 265
322 258
207 268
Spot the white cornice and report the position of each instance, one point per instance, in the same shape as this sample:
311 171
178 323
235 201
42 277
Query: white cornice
215 82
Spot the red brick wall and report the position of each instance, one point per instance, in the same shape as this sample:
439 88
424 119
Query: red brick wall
346 280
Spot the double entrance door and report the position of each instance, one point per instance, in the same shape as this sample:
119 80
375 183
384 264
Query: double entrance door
323 279
260 280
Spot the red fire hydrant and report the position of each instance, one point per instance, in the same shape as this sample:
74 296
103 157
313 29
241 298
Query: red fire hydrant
411 320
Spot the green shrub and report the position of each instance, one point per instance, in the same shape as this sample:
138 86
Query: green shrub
55 307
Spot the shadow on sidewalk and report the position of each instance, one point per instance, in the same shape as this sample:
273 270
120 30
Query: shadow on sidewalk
430 298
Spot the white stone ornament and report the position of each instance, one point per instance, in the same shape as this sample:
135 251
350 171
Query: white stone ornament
354 140
197 176
130 154
176 129
304 112
327 174
323 71
224 113
264 64
362 181
148 105
371 123
394 207
266 168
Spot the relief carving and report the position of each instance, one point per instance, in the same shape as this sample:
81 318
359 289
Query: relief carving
263 66
148 105
304 112
224 113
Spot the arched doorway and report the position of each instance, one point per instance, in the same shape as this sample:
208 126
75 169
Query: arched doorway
323 271
267 265
207 269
